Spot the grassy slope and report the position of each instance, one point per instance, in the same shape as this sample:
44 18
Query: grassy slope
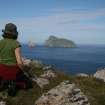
93 88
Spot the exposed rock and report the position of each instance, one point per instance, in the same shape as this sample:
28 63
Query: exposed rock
44 78
47 67
3 97
82 75
63 94
100 74
2 103
59 42
41 82
48 74
26 62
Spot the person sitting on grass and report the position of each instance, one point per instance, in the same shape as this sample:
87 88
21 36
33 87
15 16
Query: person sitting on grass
11 65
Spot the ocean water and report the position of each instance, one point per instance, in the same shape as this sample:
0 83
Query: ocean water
83 59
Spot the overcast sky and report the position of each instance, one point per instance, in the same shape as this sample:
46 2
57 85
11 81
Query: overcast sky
82 21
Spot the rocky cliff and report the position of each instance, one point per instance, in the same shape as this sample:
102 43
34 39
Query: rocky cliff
53 41
52 87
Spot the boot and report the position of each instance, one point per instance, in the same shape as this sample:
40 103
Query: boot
12 88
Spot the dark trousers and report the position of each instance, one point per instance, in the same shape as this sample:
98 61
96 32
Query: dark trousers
23 80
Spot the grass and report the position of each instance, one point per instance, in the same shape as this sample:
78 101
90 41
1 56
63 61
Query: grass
94 89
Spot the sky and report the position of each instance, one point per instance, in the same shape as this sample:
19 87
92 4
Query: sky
82 21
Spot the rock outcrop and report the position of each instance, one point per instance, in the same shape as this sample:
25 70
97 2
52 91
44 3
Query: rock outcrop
2 103
48 74
82 75
41 82
59 42
100 74
63 94
50 90
43 79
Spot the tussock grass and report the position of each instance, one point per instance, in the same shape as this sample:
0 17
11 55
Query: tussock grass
94 89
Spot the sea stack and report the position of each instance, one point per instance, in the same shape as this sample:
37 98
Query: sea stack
31 44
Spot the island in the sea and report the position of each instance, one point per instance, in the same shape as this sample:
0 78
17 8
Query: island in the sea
54 41
31 44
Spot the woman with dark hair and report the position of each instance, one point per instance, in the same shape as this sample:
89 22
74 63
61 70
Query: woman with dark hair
10 59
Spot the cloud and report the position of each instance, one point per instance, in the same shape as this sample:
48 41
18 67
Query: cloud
60 21
57 19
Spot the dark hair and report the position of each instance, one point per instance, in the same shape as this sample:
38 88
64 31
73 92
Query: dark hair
5 35
10 31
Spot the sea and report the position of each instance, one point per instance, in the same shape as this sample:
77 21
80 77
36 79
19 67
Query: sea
82 59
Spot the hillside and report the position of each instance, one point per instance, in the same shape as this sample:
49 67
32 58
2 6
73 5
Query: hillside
85 90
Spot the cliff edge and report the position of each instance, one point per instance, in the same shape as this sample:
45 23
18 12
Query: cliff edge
53 87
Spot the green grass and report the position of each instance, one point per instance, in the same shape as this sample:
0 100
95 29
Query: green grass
94 89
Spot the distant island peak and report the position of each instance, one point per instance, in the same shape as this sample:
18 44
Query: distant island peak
54 41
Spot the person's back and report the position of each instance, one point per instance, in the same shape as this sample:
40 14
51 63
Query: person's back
7 51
